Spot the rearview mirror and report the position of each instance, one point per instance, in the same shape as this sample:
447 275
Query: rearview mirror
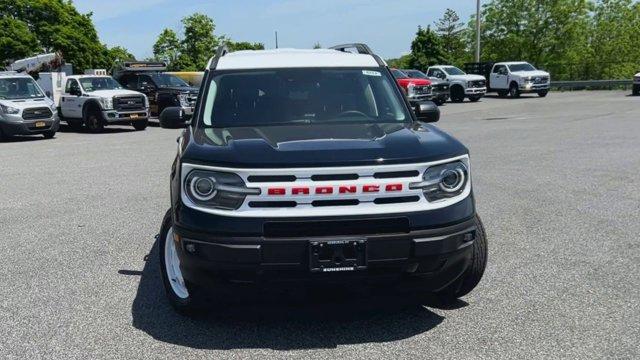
173 118
427 111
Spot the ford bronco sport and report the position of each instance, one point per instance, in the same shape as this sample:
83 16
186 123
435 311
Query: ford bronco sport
311 166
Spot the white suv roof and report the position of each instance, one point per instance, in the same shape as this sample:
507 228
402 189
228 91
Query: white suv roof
293 58
511 63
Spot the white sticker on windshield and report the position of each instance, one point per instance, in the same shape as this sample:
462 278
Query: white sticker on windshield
371 73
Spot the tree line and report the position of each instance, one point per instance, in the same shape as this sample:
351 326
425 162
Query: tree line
32 27
572 39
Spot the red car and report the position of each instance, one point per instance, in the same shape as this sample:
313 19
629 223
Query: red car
416 89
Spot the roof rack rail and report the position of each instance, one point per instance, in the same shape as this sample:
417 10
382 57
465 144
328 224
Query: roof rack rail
222 51
361 49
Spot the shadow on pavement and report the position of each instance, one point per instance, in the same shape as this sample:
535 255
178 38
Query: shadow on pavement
283 323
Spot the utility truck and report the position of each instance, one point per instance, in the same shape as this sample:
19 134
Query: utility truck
461 84
96 100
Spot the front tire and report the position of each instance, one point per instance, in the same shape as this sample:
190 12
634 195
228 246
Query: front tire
543 93
474 98
49 134
636 90
140 125
472 276
514 92
180 293
457 94
93 122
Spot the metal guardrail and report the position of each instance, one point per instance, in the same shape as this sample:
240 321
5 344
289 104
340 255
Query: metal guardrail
590 84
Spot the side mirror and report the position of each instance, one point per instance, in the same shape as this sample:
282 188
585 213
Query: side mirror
427 111
48 94
173 118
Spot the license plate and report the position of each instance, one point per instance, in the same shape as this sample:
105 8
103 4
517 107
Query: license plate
133 116
41 124
338 255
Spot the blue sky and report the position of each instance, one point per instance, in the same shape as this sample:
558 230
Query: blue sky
387 26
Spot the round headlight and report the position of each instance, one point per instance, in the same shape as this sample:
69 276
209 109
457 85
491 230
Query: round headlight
452 180
203 188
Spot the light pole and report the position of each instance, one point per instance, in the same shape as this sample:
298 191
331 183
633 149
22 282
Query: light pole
477 30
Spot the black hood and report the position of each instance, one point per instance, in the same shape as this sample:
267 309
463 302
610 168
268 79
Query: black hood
319 145
181 89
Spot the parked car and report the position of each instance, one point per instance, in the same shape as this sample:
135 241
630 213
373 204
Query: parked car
513 78
461 84
415 89
96 101
636 84
309 166
439 87
24 107
163 89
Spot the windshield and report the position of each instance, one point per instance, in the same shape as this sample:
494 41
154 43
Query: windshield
521 67
398 74
19 88
90 84
452 70
168 80
415 74
303 96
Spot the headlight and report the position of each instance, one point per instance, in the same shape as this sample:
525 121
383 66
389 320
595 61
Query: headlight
107 103
5 109
443 181
411 90
184 99
217 189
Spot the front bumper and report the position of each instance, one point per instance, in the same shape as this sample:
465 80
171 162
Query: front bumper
114 116
433 247
530 87
475 91
18 126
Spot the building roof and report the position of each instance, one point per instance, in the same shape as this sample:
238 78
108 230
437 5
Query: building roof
293 58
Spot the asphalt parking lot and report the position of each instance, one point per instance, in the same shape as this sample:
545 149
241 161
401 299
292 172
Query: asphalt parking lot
556 182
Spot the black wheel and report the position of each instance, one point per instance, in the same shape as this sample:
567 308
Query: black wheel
3 137
543 93
74 125
457 94
92 121
471 277
180 293
474 98
49 134
140 125
636 90
502 93
514 91
438 101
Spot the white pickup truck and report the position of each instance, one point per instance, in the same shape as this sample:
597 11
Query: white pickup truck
99 100
461 84
636 84
514 78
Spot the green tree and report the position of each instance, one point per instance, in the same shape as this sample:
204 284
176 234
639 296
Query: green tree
317 45
243 45
167 47
199 42
402 62
426 49
116 55
16 40
58 26
549 34
451 31
615 40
